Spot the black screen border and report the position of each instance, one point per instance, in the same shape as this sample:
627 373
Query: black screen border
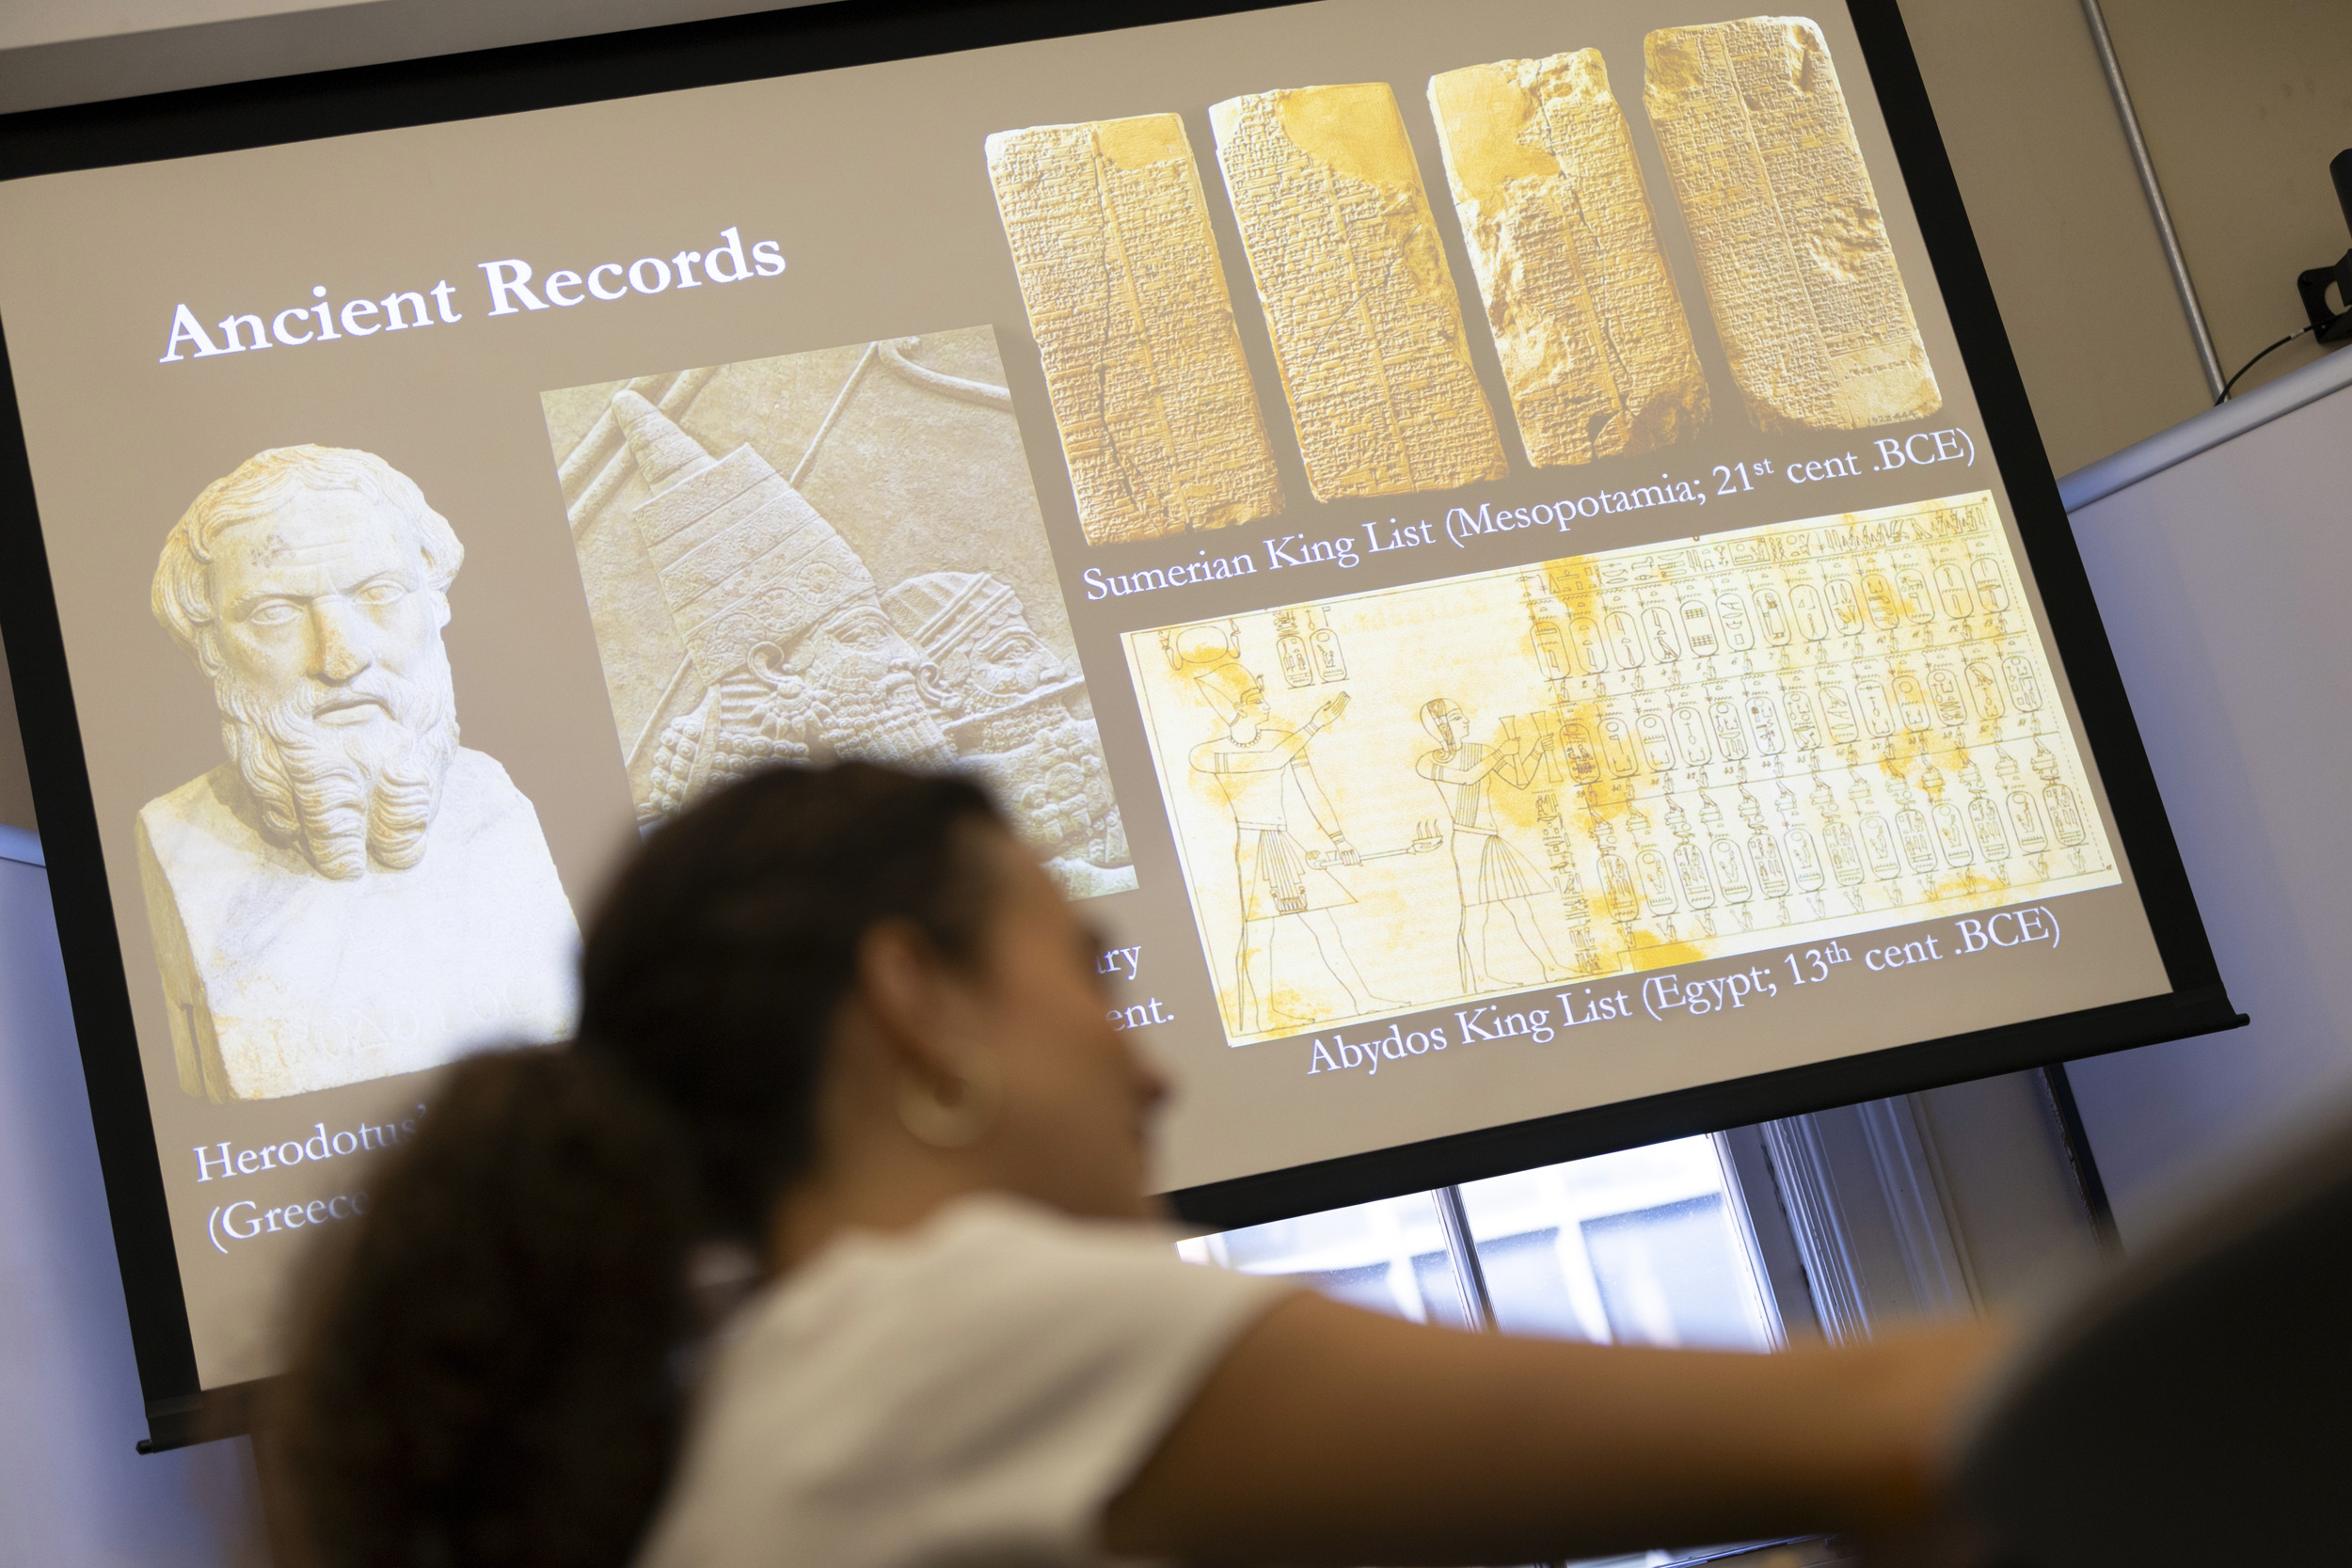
864 32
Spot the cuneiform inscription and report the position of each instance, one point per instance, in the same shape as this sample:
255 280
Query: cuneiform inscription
1790 242
1585 315
1127 301
1358 296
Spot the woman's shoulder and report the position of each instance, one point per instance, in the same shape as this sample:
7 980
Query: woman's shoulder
990 1256
992 1373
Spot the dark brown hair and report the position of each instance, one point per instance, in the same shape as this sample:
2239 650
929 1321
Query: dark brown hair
491 1376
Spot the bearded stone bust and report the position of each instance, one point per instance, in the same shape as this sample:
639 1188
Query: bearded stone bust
353 894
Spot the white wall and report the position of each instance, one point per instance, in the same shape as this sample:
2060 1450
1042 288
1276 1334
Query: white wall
2226 585
77 1494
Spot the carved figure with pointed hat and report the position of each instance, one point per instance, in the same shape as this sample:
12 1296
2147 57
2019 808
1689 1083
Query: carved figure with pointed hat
779 615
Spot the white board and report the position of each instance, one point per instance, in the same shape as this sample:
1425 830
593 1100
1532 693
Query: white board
2221 554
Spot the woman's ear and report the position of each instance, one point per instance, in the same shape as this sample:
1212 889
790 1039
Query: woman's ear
914 997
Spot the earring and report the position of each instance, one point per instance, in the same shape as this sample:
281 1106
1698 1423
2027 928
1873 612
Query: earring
953 1123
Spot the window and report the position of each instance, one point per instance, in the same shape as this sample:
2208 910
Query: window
1391 1256
1645 1246
1640 1247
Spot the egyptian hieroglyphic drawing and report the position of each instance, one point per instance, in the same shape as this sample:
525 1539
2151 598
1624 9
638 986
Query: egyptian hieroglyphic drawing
834 554
1358 296
1792 246
1126 299
1585 315
353 894
1642 757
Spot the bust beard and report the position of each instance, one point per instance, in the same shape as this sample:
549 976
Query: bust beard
346 794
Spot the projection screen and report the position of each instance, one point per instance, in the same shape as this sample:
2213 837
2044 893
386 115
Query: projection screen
1498 549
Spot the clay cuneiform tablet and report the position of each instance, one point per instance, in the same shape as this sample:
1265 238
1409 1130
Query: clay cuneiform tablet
1593 342
1358 300
1126 299
1790 242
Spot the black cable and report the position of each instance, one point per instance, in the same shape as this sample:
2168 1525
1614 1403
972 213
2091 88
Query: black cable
2256 360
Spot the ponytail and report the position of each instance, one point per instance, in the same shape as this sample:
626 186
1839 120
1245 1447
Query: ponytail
493 1375
488 1382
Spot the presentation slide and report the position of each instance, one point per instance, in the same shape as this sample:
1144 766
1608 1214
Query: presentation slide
1460 533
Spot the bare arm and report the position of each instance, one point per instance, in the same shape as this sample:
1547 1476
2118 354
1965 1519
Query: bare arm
1332 1435
1522 756
1318 804
1327 715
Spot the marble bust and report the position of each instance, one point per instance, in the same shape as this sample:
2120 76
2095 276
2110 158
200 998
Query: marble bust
353 894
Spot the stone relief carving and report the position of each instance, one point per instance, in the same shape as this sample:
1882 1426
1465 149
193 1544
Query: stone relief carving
888 596
353 894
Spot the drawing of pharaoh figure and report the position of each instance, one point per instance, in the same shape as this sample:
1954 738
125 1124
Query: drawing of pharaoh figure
1492 878
1255 766
803 657
353 894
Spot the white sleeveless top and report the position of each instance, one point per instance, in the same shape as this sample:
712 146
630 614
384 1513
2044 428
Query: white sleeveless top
974 1390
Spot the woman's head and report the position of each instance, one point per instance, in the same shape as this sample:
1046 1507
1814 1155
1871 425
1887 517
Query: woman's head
828 973
843 995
